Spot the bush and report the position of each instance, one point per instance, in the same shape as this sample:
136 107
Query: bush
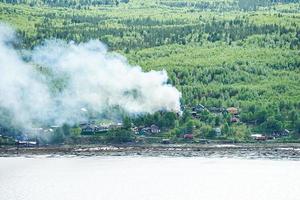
120 136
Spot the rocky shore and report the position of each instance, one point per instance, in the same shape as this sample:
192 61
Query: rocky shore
248 151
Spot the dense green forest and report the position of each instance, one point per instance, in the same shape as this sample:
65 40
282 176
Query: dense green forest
218 53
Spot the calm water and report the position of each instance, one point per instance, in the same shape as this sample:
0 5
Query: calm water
140 178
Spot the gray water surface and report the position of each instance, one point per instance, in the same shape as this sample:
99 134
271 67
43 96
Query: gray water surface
151 178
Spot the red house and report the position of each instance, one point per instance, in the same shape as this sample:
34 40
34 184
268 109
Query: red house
188 136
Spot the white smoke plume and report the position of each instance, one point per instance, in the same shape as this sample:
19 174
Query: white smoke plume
64 81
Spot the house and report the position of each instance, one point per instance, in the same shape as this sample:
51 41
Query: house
88 128
145 130
188 136
234 120
283 133
194 114
198 108
25 143
233 110
258 137
115 126
101 128
140 129
154 129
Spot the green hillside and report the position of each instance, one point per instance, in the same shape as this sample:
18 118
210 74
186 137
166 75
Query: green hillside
218 53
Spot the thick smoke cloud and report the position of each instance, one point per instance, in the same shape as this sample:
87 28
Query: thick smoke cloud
63 82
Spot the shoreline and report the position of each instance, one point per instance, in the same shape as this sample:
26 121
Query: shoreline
282 151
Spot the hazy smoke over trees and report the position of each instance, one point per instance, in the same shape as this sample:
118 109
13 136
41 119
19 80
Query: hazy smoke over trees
61 82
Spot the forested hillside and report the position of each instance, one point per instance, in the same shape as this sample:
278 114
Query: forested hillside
218 53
